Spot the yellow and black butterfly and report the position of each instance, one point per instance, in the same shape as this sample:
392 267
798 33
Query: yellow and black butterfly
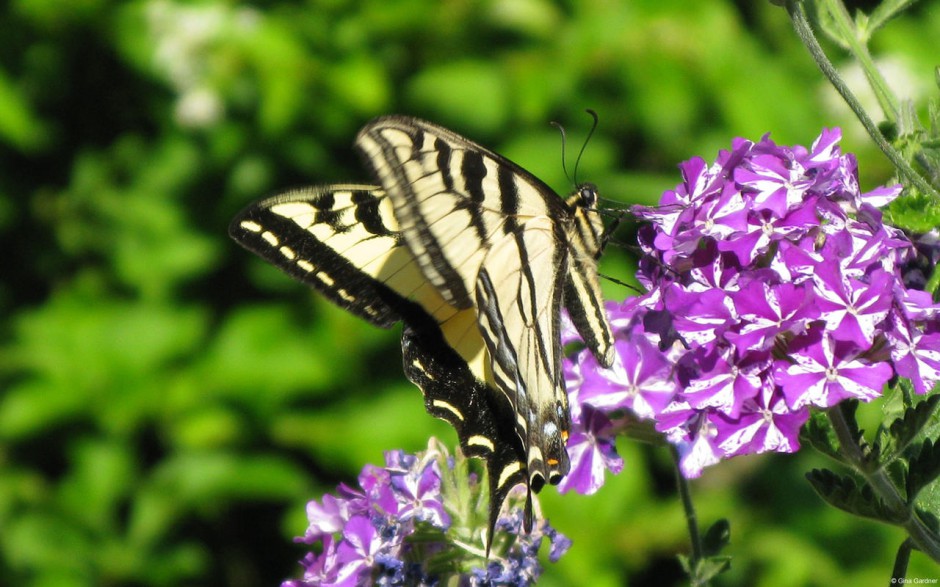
475 256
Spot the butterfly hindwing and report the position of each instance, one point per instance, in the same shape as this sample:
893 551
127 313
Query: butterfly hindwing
519 290
484 421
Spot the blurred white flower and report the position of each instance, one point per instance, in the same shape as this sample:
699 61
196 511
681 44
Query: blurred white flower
189 51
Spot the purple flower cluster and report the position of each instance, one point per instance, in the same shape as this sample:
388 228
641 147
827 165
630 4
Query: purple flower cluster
402 526
773 287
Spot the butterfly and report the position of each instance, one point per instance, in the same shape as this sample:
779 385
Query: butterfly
475 257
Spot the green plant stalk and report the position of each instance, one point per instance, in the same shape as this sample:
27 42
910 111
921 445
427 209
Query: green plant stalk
878 479
801 25
901 561
691 518
849 32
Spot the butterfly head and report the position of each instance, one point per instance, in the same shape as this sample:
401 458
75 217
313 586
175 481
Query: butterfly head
586 195
587 233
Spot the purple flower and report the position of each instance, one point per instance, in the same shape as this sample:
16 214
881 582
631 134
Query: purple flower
778 184
397 529
591 451
765 424
768 310
773 287
825 371
356 553
916 354
325 519
725 382
640 379
417 488
852 308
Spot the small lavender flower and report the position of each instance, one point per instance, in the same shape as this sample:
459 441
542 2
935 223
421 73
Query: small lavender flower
408 524
773 287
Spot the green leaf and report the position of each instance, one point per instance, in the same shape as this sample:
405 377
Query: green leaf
844 492
885 11
262 350
200 479
705 569
19 126
361 84
470 95
711 567
913 422
102 477
924 468
822 18
915 212
818 433
716 538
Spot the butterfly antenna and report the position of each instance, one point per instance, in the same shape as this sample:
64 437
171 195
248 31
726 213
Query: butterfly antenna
577 161
621 283
564 141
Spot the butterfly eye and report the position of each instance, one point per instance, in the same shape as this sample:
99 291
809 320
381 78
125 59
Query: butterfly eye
588 193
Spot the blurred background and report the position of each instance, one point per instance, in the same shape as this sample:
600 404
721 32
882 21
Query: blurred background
169 402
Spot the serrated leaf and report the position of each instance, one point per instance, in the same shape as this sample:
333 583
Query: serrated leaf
702 571
818 433
913 421
897 471
685 563
823 19
915 212
924 468
844 492
849 408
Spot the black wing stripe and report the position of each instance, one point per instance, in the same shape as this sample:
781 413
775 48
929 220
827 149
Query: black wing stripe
501 349
509 199
405 179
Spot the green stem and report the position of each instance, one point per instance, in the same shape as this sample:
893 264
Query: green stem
849 33
879 481
801 25
901 561
691 517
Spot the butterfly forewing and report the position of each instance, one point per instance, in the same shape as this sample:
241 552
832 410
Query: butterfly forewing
451 196
312 233
344 241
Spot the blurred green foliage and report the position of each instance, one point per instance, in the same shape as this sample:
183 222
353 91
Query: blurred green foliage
168 403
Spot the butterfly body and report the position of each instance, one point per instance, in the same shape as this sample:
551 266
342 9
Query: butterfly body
476 257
